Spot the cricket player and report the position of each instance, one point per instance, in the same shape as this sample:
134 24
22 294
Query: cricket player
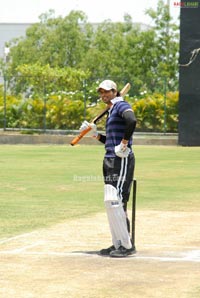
118 166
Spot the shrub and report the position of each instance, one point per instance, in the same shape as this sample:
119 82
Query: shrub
157 113
64 110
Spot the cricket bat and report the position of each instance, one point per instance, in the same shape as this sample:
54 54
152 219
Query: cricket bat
123 92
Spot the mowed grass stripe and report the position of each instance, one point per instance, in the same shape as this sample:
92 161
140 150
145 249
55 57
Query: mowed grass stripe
44 185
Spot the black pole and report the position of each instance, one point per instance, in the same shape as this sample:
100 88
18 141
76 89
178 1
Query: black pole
5 104
133 212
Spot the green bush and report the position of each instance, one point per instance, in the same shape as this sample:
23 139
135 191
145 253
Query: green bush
66 111
157 113
172 111
59 112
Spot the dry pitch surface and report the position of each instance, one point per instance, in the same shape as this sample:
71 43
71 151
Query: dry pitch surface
63 261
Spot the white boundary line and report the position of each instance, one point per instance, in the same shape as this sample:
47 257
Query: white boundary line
187 258
15 237
2 241
169 246
22 249
192 256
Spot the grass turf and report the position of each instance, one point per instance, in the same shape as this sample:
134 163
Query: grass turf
43 185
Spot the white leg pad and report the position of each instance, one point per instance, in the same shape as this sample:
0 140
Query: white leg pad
116 217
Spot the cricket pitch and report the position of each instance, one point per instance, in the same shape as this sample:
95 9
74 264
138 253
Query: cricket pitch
63 261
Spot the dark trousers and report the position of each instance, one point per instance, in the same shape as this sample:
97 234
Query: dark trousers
119 173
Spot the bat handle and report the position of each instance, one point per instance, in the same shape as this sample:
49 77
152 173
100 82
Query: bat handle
77 138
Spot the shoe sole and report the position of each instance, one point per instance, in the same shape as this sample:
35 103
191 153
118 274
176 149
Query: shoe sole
121 255
105 254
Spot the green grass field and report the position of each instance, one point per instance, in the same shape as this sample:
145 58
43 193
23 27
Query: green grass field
44 185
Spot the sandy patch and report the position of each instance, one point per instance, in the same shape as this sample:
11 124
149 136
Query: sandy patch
63 261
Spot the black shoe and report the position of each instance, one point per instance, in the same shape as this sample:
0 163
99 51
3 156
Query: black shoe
107 251
122 252
132 250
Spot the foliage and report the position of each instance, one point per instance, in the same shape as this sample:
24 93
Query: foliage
53 112
166 48
172 111
59 42
53 72
39 79
121 51
64 113
11 110
150 112
67 110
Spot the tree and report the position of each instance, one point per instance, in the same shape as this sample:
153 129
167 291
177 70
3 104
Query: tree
41 79
59 42
120 51
145 58
165 62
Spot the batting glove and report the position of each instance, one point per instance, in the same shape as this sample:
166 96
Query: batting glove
122 150
93 126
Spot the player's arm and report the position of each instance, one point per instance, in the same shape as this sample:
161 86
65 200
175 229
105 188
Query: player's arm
122 149
130 124
101 138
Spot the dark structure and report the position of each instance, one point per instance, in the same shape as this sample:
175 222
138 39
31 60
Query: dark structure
189 99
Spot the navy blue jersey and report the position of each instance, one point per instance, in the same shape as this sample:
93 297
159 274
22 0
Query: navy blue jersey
115 126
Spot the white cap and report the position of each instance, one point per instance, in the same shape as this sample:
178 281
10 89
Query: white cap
107 85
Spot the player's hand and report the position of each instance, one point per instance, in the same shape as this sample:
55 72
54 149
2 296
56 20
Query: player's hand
122 150
93 127
84 126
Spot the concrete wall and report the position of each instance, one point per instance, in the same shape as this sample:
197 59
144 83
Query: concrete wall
8 138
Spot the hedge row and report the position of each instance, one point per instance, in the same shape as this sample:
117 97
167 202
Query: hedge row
154 112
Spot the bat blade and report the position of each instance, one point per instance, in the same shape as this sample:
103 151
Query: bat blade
125 89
